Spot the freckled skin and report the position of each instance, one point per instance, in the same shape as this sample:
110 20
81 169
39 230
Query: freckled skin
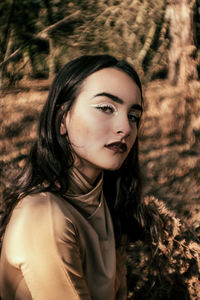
90 129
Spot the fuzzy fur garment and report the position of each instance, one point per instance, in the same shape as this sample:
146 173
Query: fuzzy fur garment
173 270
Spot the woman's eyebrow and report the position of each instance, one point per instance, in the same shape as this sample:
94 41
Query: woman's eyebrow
118 100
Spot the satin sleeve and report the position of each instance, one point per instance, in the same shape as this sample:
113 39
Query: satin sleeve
47 251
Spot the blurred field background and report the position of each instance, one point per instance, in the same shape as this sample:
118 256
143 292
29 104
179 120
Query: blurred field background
162 41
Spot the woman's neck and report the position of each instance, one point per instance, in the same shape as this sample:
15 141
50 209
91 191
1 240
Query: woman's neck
88 170
90 175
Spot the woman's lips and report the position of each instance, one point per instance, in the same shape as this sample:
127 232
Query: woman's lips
117 147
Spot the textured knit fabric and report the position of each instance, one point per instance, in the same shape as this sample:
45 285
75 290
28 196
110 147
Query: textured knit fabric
62 248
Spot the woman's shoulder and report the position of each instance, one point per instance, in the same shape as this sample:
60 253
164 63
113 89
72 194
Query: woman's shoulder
35 206
42 203
42 210
37 220
36 200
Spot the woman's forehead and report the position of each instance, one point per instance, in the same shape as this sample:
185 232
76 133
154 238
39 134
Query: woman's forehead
111 80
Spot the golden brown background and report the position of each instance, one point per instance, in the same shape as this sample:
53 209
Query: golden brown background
162 41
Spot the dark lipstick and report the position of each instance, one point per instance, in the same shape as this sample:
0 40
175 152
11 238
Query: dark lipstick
117 147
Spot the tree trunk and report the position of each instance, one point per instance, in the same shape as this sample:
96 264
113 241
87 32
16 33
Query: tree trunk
3 71
6 37
51 58
182 66
147 43
47 4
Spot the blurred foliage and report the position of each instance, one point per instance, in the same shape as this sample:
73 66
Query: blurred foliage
132 29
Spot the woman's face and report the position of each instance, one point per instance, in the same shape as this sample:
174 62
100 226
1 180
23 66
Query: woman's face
102 122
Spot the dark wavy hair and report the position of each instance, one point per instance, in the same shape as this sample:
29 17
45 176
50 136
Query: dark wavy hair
50 158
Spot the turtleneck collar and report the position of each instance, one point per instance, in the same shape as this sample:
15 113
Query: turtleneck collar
82 194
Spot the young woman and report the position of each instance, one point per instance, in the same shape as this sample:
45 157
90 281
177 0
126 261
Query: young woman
69 215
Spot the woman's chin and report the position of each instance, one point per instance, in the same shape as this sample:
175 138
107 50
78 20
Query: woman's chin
113 167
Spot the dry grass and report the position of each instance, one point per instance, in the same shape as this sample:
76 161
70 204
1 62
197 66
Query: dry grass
20 110
170 150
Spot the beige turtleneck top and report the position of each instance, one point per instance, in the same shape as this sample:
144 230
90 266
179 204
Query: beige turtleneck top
62 248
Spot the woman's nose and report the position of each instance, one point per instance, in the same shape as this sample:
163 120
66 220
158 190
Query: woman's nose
123 126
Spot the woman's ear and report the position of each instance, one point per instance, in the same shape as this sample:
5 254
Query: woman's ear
63 127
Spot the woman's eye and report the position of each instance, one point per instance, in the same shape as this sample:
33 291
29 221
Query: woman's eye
106 108
133 118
